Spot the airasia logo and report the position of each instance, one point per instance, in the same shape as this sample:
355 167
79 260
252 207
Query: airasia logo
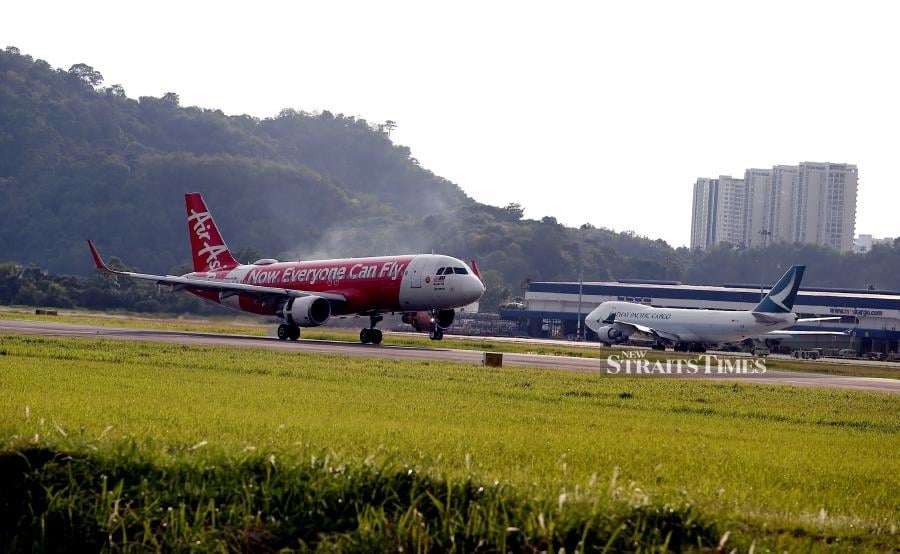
201 230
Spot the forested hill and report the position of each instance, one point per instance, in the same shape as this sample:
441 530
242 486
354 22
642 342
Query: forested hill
79 158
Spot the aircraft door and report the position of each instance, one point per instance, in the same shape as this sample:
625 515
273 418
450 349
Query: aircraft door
416 269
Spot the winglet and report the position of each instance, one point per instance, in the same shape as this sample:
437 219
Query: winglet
98 261
475 270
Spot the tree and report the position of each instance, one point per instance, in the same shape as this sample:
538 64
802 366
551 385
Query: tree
390 125
116 90
496 292
86 74
515 211
171 98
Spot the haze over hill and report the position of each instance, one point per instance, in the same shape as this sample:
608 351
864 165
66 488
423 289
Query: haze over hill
80 159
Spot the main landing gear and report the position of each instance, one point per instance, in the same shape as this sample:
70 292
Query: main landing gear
690 347
286 332
371 334
436 334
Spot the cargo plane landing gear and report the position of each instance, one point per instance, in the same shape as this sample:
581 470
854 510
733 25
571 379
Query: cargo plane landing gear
286 332
436 334
371 334
690 347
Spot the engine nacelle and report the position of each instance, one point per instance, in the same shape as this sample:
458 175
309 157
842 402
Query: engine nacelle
306 311
611 333
425 322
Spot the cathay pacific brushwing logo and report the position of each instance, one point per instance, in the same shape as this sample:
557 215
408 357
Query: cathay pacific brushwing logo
779 297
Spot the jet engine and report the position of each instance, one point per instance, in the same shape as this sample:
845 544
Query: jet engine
427 322
306 311
612 334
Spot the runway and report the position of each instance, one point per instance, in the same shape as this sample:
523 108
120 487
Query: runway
591 365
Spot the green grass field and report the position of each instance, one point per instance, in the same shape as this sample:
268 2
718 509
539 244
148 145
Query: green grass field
233 448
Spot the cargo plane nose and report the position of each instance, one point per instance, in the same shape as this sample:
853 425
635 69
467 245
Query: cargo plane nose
593 321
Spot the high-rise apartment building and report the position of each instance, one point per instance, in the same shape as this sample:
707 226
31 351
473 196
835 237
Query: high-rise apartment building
704 212
758 183
810 202
719 206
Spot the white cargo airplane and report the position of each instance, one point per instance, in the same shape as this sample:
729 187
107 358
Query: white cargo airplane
692 330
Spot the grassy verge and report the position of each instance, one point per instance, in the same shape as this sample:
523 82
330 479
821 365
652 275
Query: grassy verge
216 325
123 500
240 448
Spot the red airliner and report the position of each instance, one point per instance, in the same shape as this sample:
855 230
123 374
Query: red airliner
424 288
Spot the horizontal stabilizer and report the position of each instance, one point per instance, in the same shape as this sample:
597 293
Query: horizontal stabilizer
767 319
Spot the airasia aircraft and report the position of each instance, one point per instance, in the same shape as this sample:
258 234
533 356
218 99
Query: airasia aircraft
425 288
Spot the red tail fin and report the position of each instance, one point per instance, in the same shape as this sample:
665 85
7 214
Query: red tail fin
207 247
475 269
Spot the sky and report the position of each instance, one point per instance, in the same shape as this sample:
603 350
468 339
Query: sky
591 112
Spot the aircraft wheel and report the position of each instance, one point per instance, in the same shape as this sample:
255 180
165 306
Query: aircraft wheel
295 332
283 332
436 334
364 336
376 336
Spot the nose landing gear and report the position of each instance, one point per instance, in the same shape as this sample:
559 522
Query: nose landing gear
371 334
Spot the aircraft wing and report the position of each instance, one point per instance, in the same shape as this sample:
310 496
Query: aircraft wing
655 333
788 334
180 283
768 319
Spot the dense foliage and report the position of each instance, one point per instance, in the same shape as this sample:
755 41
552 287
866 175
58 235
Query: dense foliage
31 286
79 160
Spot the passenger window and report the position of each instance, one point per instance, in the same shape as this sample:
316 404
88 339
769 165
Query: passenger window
440 271
460 271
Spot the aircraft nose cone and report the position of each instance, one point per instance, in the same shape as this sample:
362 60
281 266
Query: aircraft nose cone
474 288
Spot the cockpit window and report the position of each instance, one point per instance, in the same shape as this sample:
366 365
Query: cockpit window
460 271
440 271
